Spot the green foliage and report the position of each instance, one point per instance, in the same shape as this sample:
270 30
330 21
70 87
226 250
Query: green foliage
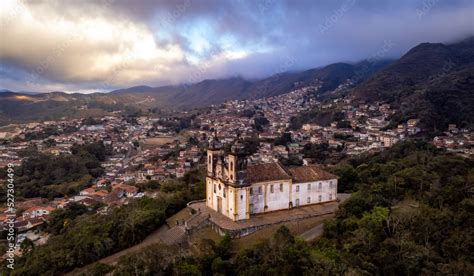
45 175
89 238
260 122
97 269
412 213
292 160
60 219
343 124
317 151
316 116
343 136
283 140
248 113
156 259
347 177
377 232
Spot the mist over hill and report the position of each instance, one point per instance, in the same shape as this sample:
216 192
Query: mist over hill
18 107
433 81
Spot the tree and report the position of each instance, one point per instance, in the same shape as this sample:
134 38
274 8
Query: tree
260 122
283 140
347 178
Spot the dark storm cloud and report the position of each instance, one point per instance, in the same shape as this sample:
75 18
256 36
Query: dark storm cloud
214 39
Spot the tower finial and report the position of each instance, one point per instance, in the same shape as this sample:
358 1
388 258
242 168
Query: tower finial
214 143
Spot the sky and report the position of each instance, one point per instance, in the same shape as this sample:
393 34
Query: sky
97 46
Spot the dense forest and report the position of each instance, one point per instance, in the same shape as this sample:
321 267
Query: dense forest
411 213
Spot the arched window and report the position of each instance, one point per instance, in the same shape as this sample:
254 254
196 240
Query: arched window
209 160
231 166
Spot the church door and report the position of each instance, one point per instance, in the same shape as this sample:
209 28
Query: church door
219 205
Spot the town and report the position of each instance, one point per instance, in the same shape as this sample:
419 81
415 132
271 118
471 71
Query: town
152 148
148 148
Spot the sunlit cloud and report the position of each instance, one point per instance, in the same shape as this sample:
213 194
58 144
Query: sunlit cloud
87 46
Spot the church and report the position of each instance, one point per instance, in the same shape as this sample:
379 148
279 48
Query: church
239 190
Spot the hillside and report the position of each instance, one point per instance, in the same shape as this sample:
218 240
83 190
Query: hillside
20 107
209 92
432 81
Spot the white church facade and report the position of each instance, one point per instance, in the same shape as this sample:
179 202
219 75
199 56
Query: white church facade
239 190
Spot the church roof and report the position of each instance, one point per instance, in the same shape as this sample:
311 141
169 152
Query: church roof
266 172
309 174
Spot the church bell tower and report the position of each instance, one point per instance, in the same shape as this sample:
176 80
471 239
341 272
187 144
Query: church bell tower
213 151
237 163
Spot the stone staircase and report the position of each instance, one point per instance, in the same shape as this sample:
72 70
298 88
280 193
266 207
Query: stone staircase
173 235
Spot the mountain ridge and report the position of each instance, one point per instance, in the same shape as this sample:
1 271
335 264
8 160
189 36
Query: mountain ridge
18 107
432 81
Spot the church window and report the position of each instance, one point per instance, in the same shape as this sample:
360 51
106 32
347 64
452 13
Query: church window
281 187
220 187
225 191
214 188
308 200
309 187
271 188
297 188
231 166
209 160
260 190
241 197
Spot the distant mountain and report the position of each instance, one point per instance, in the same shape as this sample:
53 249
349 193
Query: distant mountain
209 92
19 107
329 76
432 81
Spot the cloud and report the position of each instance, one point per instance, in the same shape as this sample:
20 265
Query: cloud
103 45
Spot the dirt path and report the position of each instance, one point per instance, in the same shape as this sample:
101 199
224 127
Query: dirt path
313 233
154 237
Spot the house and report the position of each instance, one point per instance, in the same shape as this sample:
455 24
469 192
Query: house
125 190
239 190
88 191
101 183
28 223
388 141
60 202
114 197
130 191
37 211
87 201
101 193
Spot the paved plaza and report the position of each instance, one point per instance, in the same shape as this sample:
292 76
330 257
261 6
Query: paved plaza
270 218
